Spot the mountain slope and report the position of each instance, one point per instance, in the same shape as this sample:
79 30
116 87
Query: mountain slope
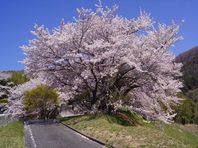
190 68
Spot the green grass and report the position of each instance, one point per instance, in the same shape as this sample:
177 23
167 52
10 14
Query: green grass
12 135
111 131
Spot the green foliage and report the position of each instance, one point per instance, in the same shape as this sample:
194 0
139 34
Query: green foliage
193 94
3 82
41 102
125 117
18 78
190 82
187 111
12 135
3 101
163 106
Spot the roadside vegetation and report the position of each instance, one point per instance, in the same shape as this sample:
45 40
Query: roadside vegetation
41 103
12 135
117 132
18 77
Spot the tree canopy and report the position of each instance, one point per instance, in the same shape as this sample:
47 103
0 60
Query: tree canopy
114 60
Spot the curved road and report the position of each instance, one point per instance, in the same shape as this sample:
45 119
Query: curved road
55 135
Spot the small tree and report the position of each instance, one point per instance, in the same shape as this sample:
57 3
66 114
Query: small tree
41 102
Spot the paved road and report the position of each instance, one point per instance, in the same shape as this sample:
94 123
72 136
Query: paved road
55 135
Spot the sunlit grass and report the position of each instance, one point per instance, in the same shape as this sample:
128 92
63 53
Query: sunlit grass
12 135
110 131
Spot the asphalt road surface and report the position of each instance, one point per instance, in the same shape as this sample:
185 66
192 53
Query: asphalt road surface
55 135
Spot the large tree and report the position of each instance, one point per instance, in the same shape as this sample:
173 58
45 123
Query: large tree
114 60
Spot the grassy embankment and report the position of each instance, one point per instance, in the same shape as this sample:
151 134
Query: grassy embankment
12 135
117 132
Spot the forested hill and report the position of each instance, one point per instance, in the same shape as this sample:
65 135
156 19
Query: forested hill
188 54
190 68
190 72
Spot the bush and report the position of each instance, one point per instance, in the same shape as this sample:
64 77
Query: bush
3 82
18 78
41 102
3 101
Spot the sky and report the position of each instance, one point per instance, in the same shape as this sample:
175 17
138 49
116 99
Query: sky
17 18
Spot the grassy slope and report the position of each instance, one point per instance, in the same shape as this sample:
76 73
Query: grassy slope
108 130
12 136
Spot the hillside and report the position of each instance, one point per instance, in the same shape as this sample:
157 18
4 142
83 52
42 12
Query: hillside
115 132
190 72
190 68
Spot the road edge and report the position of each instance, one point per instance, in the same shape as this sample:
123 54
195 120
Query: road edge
90 138
28 136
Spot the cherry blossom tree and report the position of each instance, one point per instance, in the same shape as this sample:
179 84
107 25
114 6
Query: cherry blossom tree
15 101
113 60
4 85
5 90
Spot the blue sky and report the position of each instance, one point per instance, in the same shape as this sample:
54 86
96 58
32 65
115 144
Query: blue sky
17 18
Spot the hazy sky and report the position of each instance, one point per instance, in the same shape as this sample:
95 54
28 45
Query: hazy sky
17 18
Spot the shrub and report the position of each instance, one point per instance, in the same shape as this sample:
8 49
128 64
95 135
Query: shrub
41 102
18 78
3 101
3 82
